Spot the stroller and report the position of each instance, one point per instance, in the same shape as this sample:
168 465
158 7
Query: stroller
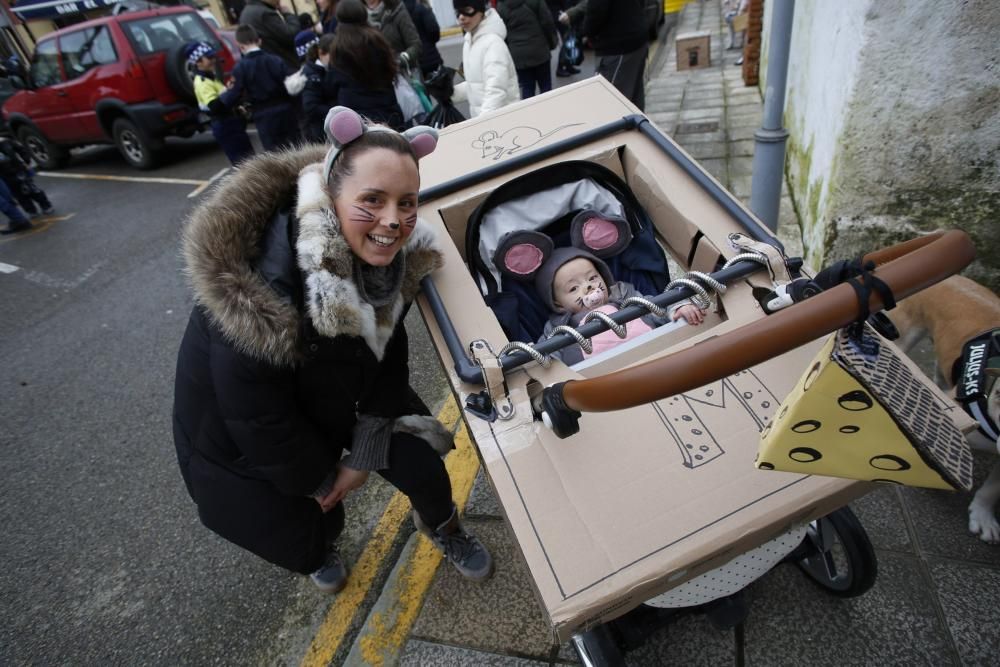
626 501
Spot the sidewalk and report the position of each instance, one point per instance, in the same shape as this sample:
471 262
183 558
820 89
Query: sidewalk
935 601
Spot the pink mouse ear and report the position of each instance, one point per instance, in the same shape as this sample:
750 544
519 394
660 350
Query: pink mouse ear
602 234
423 139
343 125
520 254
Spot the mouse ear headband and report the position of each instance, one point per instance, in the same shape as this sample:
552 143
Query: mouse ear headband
343 125
604 235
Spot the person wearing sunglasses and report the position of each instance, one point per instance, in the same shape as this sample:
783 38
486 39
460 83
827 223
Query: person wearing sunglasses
490 77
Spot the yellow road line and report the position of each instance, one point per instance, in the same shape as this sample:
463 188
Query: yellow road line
129 179
338 619
38 225
387 630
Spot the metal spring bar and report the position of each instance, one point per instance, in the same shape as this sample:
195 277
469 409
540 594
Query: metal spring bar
751 256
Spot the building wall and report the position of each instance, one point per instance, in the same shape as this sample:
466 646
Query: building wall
893 109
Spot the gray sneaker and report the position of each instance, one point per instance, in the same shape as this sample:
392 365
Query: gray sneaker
332 577
463 550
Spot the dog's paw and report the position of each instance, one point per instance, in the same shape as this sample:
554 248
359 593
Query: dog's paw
983 522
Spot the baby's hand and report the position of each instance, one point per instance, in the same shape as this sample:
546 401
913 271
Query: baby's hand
691 314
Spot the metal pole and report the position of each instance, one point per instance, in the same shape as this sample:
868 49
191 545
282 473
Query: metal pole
769 146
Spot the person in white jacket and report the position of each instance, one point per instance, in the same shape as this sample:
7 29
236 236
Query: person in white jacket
490 78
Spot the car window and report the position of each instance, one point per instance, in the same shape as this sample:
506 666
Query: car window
84 50
160 33
45 64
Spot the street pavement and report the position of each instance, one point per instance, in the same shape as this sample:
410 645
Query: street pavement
934 601
105 561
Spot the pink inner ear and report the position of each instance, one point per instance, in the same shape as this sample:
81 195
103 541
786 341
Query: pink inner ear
599 233
523 258
423 144
346 127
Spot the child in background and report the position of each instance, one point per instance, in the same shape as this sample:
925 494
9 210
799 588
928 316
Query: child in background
319 96
260 77
18 176
228 129
573 282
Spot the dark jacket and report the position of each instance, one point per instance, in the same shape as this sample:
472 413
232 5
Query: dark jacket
14 158
318 97
276 31
398 29
260 78
531 32
378 105
430 34
268 388
614 28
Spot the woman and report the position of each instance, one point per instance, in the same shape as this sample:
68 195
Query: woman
327 23
490 77
362 67
303 269
429 32
531 36
391 19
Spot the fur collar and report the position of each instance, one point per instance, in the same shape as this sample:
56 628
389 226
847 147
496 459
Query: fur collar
222 241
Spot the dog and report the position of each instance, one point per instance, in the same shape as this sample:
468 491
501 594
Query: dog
954 312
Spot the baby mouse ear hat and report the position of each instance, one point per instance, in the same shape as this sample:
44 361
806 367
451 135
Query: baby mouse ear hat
344 125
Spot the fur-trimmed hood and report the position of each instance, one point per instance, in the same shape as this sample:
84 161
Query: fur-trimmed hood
222 243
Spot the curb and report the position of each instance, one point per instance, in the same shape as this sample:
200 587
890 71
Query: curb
450 32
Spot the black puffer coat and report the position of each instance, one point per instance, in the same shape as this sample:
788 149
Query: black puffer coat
430 34
531 32
272 371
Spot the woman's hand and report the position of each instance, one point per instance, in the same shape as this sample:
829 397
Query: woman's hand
691 314
348 479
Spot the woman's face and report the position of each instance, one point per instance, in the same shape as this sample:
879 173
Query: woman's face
469 22
323 4
377 204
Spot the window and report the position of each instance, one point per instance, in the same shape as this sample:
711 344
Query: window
45 64
85 49
160 33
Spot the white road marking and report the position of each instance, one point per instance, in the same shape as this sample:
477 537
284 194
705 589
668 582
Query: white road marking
7 268
201 188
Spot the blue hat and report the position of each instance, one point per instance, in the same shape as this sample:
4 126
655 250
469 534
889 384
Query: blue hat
196 50
303 41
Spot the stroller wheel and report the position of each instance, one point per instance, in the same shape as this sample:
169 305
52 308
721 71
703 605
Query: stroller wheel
837 554
598 647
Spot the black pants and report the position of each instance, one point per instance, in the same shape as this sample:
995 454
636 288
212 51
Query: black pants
528 77
231 133
419 473
22 187
277 127
627 73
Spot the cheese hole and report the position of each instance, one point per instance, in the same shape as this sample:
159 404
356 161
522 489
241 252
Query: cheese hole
888 462
807 426
855 401
804 455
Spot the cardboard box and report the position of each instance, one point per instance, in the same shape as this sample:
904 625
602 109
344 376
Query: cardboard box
694 50
641 500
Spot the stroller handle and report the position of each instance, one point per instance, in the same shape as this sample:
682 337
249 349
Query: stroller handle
906 268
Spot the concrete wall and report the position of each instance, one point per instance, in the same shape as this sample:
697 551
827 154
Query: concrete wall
894 112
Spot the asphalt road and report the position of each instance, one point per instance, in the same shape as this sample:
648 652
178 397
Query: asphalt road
104 559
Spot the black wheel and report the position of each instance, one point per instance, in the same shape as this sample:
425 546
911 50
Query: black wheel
43 151
134 146
838 556
180 75
598 648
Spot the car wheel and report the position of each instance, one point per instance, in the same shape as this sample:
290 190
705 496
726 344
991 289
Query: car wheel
137 150
44 152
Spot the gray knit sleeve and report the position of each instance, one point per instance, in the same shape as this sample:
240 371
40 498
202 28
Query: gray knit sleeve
370 443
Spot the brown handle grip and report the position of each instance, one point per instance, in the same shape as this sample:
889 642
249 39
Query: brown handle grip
906 267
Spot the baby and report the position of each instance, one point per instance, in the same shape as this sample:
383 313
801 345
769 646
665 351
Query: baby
572 282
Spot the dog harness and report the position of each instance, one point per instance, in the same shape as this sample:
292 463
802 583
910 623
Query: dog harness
972 384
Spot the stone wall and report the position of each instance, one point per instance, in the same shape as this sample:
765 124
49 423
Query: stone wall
893 109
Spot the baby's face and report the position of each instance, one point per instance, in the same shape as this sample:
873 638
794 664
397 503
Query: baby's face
578 286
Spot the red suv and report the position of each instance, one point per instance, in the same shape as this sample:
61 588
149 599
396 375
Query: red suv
120 79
